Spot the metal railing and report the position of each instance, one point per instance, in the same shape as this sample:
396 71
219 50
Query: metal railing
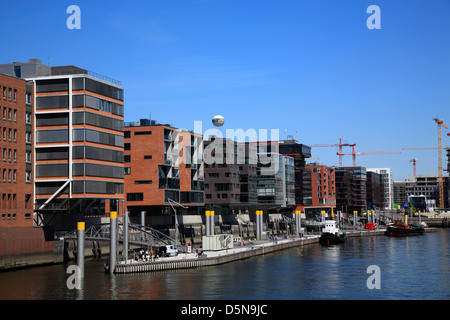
137 235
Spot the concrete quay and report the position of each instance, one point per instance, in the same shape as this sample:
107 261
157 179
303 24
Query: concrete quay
212 258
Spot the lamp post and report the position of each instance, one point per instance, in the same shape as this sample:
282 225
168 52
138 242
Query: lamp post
176 218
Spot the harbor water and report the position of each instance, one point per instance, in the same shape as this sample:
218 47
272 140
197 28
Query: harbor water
416 268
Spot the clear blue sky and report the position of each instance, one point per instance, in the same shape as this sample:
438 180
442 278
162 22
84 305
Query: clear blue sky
310 68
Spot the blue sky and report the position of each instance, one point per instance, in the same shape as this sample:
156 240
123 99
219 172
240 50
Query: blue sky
310 68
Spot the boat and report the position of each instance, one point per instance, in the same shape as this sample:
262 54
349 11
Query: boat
400 229
331 234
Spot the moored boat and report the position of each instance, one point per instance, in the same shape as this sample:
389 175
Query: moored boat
332 235
399 229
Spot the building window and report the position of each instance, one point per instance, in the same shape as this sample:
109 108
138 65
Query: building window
27 201
28 117
143 182
127 146
147 157
139 196
28 176
142 133
126 134
126 158
127 171
18 71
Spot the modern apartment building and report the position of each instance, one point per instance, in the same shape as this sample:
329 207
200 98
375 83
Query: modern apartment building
230 176
162 164
323 186
375 191
351 189
386 178
244 177
77 141
303 186
427 186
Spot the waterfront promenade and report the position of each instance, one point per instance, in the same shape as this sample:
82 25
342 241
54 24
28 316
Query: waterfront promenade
238 252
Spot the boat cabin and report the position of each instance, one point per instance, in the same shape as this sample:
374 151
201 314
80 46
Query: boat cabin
330 227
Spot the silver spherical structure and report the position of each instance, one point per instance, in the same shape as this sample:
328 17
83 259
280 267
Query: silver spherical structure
218 120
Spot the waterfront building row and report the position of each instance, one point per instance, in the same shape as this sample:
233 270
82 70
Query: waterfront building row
67 155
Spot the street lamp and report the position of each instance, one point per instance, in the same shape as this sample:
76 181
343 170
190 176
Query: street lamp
176 219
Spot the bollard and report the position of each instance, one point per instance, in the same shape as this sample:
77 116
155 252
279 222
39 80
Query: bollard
80 251
113 241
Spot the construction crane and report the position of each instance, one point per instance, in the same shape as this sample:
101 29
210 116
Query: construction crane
340 145
414 165
441 173
355 154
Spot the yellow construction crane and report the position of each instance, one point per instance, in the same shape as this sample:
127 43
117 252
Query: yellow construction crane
441 173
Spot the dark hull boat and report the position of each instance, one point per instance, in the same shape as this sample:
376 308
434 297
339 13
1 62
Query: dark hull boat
399 229
331 238
331 235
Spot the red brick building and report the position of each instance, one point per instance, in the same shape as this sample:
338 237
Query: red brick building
323 187
20 243
161 163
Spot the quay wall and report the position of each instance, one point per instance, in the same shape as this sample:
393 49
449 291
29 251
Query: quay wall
25 246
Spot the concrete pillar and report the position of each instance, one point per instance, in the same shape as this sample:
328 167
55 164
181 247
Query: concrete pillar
113 241
207 222
142 218
80 251
211 223
125 235
142 224
259 224
323 214
298 222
